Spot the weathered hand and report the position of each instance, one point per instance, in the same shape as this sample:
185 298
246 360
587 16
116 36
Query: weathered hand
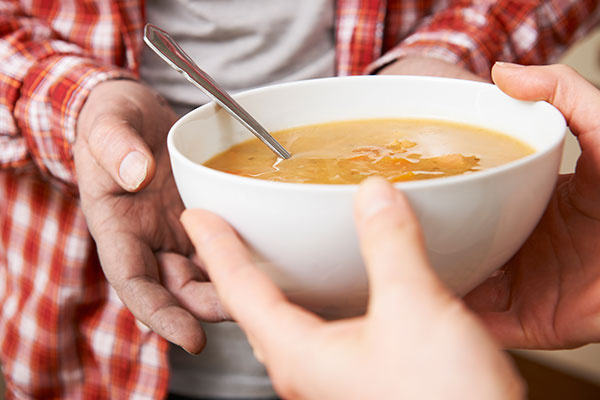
416 340
547 295
427 66
132 208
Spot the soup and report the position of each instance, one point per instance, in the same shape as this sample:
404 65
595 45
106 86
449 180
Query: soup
348 152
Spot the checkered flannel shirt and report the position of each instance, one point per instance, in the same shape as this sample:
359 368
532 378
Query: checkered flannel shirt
63 331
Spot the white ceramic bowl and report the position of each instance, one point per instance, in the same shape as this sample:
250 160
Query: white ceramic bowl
303 235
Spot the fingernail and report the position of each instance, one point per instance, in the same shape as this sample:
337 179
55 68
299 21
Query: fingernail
374 195
504 64
257 354
133 169
141 326
193 353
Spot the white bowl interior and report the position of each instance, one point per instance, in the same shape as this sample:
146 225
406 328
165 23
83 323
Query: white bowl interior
337 99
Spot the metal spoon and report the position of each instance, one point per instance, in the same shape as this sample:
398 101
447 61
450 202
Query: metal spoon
168 49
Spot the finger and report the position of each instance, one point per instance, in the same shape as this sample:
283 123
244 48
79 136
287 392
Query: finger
577 99
131 268
117 146
392 245
272 323
186 282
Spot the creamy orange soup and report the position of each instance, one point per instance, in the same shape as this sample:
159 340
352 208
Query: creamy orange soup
348 152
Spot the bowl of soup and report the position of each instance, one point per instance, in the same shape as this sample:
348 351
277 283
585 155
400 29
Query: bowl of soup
477 166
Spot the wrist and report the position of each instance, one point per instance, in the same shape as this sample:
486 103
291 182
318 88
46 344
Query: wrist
427 66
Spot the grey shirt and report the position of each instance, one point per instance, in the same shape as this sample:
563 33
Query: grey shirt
242 44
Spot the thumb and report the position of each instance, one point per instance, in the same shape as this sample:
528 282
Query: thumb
560 85
116 145
114 140
579 101
393 248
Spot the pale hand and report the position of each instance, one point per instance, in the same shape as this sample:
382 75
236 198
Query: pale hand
416 341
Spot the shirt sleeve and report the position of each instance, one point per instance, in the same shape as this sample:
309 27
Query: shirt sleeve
44 82
475 34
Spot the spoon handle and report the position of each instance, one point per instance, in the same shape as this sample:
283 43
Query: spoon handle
168 49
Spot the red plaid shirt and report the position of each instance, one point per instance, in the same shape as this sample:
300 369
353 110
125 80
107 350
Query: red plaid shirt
63 330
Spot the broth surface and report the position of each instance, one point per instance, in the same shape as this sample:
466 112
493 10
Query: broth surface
349 151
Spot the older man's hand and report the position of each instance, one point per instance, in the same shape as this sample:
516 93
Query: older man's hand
132 208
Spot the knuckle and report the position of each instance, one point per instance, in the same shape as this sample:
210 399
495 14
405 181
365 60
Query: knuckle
216 310
107 131
160 322
563 69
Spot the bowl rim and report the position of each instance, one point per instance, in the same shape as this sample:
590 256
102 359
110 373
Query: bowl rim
174 152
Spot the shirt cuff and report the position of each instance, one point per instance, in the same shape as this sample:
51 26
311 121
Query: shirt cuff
55 90
71 88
